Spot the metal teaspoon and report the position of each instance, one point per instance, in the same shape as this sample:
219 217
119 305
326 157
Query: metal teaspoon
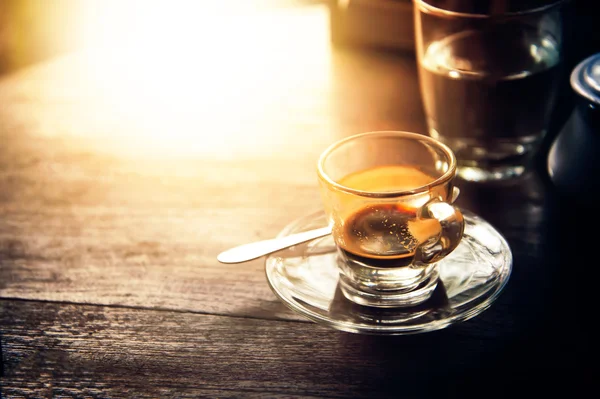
257 249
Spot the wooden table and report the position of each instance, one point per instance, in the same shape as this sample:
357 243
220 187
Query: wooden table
119 187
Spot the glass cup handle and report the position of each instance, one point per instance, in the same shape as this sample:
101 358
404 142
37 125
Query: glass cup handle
453 225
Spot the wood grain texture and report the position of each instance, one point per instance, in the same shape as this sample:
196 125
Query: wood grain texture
122 249
51 350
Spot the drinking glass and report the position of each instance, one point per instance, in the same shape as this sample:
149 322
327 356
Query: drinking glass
387 196
488 74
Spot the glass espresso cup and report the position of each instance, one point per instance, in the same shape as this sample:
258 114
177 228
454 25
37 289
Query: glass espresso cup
387 196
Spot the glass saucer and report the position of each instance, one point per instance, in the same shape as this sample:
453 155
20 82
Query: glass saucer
305 278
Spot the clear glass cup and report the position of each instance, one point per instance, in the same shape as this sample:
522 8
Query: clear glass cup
489 74
387 197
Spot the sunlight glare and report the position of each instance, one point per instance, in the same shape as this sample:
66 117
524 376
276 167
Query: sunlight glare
186 78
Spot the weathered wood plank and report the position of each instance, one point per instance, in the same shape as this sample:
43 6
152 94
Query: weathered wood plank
59 349
53 349
158 253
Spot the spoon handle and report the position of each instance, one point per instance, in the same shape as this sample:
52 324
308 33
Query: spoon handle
257 249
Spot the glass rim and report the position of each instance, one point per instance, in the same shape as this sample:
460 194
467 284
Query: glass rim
445 177
424 6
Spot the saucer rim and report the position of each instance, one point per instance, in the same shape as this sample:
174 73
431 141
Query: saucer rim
488 297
